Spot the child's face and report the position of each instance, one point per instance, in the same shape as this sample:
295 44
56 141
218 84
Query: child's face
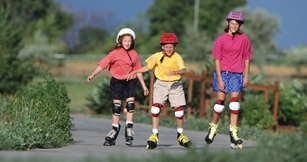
233 26
168 49
126 42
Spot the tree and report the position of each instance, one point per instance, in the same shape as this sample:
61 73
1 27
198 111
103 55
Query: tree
41 50
45 15
19 21
82 36
14 72
261 28
91 39
296 57
172 16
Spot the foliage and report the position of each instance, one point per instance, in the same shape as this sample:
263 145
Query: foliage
15 73
92 40
196 47
41 50
256 112
295 57
20 20
262 41
99 100
40 14
292 104
303 128
163 16
170 16
37 117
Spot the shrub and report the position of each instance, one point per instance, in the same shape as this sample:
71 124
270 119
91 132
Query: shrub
256 112
292 104
37 117
99 100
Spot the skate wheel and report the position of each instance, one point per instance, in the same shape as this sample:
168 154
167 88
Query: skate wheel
240 146
189 145
233 146
149 147
129 143
106 143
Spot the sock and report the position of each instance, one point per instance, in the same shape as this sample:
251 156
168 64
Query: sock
129 122
180 130
155 131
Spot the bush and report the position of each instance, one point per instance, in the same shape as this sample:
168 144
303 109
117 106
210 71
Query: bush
256 112
292 104
99 100
37 117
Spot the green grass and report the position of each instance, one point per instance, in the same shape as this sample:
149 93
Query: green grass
78 89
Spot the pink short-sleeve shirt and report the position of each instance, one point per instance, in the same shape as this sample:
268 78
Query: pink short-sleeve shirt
232 52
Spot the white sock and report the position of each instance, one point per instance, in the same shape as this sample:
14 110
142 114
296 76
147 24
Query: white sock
155 131
129 122
115 125
180 130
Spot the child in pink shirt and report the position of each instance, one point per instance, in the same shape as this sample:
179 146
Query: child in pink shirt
232 52
120 61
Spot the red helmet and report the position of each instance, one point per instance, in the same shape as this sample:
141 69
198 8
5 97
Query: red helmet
168 38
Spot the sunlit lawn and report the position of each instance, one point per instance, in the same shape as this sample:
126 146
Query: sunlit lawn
78 89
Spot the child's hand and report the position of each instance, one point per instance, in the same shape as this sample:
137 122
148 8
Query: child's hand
146 91
89 78
128 76
171 73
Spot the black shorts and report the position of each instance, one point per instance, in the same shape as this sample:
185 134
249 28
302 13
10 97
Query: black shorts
122 88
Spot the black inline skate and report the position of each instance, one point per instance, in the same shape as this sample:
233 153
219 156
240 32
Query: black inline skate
112 136
128 134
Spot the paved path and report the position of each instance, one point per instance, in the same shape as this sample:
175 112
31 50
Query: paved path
89 134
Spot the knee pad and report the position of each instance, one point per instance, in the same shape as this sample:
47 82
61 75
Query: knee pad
219 107
130 106
116 109
179 113
234 105
155 109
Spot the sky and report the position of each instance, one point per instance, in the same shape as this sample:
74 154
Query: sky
291 13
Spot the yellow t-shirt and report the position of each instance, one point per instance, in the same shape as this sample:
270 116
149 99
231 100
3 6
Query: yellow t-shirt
172 63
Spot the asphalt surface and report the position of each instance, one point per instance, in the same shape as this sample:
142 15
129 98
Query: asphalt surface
89 134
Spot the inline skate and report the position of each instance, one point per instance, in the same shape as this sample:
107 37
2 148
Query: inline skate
152 141
211 134
184 140
128 134
235 141
112 136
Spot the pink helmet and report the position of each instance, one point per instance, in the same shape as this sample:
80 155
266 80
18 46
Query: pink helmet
235 15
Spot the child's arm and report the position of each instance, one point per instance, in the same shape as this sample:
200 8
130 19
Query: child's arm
141 70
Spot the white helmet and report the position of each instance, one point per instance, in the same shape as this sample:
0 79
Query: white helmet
125 31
